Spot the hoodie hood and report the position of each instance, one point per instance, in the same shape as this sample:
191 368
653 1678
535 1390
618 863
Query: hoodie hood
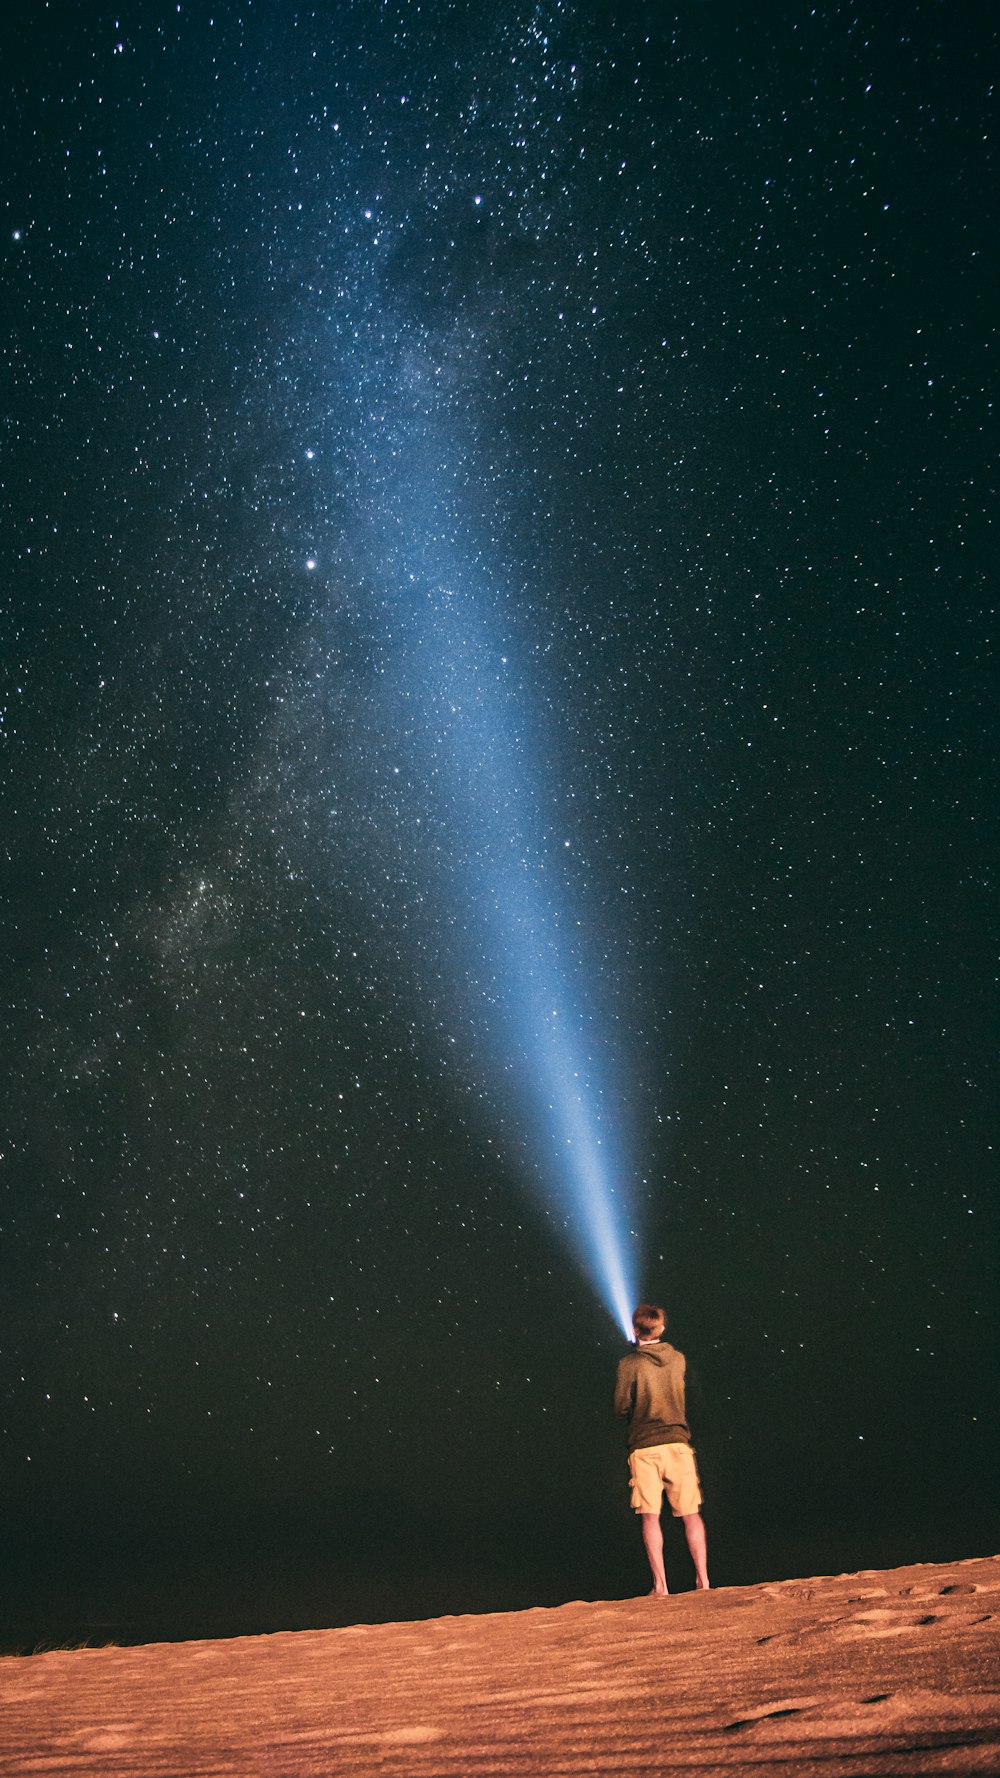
660 1353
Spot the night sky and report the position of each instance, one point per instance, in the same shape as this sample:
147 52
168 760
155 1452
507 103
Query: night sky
496 520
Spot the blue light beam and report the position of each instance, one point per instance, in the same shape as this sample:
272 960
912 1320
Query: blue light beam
507 941
460 800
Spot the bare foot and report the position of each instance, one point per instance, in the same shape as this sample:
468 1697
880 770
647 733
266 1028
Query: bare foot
658 1593
702 1586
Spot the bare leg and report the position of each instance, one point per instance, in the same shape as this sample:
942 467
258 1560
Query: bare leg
694 1531
652 1537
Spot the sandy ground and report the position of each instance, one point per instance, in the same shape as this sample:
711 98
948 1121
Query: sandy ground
876 1673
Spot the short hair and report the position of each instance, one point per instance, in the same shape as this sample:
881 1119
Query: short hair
646 1319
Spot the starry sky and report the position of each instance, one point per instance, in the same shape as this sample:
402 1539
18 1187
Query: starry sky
495 519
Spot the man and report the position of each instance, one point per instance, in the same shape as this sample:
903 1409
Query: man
649 1394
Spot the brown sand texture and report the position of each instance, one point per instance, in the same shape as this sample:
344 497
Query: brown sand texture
876 1673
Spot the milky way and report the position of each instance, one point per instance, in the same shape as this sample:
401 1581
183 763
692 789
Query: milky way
497 760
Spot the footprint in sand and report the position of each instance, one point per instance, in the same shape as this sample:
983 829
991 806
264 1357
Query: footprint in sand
769 1712
887 1623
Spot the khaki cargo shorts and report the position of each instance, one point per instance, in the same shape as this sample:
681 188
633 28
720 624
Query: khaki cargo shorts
658 1468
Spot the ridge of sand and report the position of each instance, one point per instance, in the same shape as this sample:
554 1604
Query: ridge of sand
884 1672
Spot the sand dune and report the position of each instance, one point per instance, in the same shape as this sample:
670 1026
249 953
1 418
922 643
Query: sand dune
891 1672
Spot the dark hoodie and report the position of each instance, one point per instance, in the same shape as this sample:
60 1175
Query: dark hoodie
649 1393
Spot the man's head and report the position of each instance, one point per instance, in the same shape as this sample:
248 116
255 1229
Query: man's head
648 1321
